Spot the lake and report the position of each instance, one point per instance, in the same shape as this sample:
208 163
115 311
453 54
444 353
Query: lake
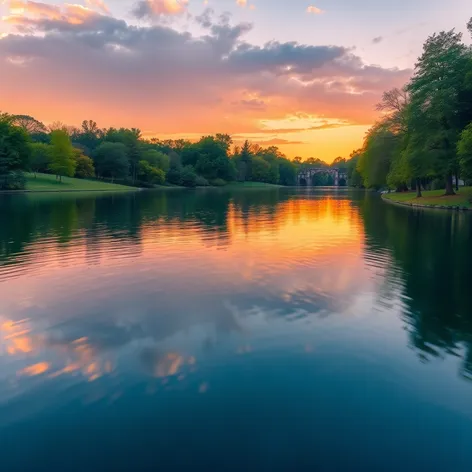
245 330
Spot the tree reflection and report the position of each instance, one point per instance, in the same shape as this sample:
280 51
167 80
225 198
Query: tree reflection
431 253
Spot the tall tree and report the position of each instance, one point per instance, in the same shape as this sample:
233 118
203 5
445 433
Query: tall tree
225 140
157 159
244 162
62 161
14 153
111 160
40 157
464 150
434 89
84 165
393 105
131 140
29 124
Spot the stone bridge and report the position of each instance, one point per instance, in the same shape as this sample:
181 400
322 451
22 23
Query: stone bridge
305 175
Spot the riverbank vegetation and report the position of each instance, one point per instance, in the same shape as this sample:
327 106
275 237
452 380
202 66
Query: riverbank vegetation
434 198
124 156
423 140
49 183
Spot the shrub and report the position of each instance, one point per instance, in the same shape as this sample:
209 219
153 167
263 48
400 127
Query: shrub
188 176
174 176
13 181
201 181
150 174
84 168
218 182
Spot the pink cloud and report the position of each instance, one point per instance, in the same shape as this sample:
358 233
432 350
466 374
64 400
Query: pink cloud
164 81
156 8
314 10
100 4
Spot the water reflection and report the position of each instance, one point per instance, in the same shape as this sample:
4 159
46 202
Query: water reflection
282 313
431 254
85 276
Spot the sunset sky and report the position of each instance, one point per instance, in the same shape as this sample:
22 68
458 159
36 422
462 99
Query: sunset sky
304 75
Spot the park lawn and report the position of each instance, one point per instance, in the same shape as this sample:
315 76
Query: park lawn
48 183
463 198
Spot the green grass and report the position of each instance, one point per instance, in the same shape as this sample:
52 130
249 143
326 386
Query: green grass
463 198
48 183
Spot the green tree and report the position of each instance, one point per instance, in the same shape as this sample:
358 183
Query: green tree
130 138
62 162
111 160
14 153
188 177
84 168
40 157
287 172
213 161
225 140
150 174
353 177
377 155
339 163
244 162
435 90
89 136
260 170
157 159
464 150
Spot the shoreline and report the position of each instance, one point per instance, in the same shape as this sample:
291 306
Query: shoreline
18 192
425 206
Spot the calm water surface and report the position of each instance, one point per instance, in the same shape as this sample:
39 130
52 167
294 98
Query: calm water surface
273 330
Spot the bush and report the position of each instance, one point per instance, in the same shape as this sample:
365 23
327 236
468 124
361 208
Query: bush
84 168
218 182
12 181
174 176
150 174
188 177
201 181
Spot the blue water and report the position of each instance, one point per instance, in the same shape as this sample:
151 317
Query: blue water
234 330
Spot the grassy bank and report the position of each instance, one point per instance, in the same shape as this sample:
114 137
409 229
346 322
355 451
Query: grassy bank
462 199
48 183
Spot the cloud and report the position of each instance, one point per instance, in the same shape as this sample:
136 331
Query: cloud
314 10
157 8
100 4
377 39
278 142
28 15
79 64
253 103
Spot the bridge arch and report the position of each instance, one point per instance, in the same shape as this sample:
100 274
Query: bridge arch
305 175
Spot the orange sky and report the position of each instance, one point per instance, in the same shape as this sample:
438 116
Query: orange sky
184 69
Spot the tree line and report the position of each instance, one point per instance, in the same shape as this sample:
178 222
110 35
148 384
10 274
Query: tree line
423 139
123 155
